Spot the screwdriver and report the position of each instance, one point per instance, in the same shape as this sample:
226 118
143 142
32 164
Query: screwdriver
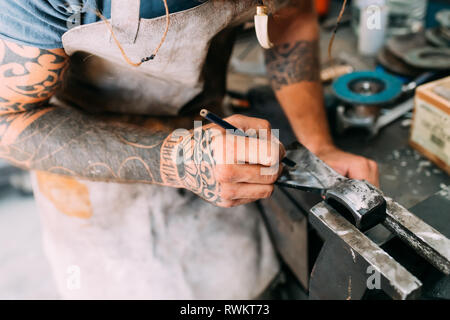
208 115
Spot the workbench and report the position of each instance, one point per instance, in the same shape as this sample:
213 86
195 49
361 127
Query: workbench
405 175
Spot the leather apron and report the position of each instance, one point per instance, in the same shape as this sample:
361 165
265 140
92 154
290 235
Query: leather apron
137 241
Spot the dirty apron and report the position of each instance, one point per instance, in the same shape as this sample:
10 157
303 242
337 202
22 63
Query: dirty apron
137 241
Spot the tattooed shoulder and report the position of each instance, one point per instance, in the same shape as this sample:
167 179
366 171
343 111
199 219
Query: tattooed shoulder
29 76
291 63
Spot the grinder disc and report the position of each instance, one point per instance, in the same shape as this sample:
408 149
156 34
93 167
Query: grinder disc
429 58
437 38
367 88
400 45
396 65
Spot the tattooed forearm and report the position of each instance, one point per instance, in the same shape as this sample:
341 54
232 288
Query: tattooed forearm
67 142
291 63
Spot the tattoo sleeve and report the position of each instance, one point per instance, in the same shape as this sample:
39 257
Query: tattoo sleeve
36 135
291 63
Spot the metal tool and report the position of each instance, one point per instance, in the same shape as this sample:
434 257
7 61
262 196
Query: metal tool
402 44
363 205
429 58
440 36
395 65
374 88
360 202
366 98
346 256
367 88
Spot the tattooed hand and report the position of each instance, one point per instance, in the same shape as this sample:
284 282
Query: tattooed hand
222 168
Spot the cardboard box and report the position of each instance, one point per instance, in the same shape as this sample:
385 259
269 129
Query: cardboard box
430 131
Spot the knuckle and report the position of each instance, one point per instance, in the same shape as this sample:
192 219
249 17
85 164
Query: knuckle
274 159
374 164
227 192
236 117
271 178
224 173
271 155
268 193
215 133
278 147
282 150
216 143
265 124
376 169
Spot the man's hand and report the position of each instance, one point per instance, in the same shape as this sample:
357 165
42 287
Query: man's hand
225 169
350 165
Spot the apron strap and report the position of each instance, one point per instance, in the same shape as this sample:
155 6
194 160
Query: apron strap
125 19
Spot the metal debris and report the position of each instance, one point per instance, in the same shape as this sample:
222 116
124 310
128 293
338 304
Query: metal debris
406 123
396 154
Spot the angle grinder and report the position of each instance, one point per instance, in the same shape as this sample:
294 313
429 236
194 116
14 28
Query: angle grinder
367 99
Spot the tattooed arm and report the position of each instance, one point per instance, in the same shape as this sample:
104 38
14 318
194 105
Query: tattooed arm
38 136
293 69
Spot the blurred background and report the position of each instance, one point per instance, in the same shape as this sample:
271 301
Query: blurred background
24 271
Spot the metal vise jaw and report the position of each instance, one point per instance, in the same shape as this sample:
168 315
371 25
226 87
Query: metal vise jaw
347 260
348 253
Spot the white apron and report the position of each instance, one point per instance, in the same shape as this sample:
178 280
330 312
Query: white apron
137 241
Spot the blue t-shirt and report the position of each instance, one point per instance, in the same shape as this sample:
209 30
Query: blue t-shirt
41 23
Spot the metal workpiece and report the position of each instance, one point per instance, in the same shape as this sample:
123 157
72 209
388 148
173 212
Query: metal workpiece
424 239
362 203
348 260
310 173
